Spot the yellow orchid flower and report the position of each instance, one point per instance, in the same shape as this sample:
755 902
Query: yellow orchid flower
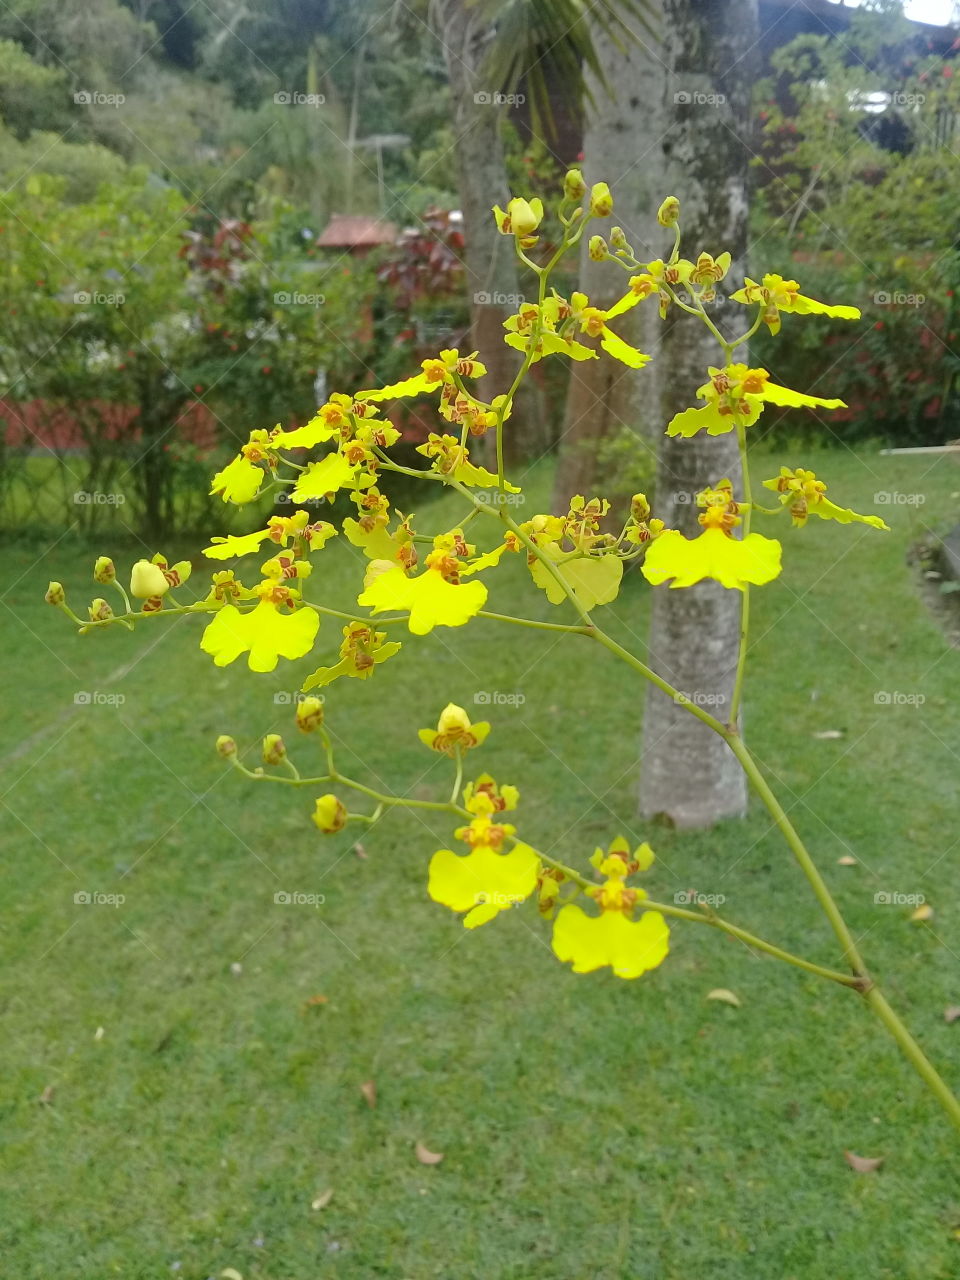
630 947
454 731
330 420
361 652
543 320
434 598
594 322
774 294
733 562
521 219
735 396
280 529
330 814
324 478
437 371
803 495
485 881
264 632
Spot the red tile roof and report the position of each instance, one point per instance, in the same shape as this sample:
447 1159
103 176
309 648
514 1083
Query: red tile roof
355 231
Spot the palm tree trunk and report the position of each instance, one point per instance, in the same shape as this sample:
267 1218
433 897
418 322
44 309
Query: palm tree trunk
621 147
689 776
492 277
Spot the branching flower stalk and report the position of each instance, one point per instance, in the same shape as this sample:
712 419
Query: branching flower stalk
569 558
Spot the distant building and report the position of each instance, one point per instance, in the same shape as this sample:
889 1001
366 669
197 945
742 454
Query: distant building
356 233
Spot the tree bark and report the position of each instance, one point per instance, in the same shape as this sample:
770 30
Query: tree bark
621 147
689 776
491 264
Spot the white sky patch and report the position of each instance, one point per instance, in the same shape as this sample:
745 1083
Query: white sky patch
936 12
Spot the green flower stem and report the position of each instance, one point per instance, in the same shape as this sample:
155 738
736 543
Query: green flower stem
745 602
914 1054
531 622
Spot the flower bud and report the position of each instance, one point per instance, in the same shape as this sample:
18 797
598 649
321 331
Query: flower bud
669 212
330 814
226 747
55 593
618 239
104 571
147 580
639 507
598 249
601 201
309 714
273 749
574 187
99 610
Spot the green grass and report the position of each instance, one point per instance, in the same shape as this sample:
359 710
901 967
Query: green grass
593 1129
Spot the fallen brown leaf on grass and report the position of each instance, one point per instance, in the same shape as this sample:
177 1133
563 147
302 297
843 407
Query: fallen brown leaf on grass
826 735
923 912
323 1199
863 1164
313 1001
950 1014
847 861
426 1156
369 1091
47 1095
724 996
360 851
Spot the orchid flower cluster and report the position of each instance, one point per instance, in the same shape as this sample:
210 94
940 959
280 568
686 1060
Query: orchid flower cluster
420 581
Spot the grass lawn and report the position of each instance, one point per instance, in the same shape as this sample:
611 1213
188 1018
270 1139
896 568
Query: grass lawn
593 1129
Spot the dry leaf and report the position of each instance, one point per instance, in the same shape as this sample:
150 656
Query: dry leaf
827 735
228 1273
313 1000
923 912
863 1164
950 1014
848 860
425 1156
98 1034
725 996
369 1091
360 851
323 1199
47 1095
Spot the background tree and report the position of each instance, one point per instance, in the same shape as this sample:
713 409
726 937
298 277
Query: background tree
688 774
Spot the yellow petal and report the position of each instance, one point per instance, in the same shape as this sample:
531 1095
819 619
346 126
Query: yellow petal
622 351
629 947
265 632
828 510
730 561
483 878
235 545
784 396
316 431
239 481
430 600
594 580
809 306
414 386
326 476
